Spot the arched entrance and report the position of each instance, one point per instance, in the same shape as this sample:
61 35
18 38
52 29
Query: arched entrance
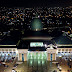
22 57
51 57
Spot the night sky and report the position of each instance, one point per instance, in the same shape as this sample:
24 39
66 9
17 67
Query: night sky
35 3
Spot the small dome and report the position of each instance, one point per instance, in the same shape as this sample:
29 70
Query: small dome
36 24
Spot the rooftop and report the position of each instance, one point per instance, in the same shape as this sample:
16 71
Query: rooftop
8 40
62 40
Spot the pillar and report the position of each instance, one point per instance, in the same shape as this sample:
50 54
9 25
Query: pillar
25 56
55 56
20 56
48 56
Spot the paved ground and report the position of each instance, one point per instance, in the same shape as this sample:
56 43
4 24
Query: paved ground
47 67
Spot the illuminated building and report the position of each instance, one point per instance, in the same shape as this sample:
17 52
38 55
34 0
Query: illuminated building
37 45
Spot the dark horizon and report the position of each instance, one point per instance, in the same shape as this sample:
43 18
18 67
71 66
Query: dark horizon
36 3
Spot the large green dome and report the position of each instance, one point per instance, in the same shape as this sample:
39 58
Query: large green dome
36 24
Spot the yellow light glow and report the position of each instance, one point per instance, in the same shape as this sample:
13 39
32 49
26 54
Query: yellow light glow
7 45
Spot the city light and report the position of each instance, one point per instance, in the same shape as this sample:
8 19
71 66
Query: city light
39 37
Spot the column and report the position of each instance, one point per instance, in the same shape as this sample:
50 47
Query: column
68 50
61 51
12 52
48 56
20 56
54 56
25 56
17 55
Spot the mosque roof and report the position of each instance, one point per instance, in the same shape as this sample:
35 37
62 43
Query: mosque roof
36 34
62 40
36 24
8 40
25 44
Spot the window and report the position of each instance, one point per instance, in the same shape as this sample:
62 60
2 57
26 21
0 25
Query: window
6 49
62 49
2 49
10 50
69 49
59 49
66 49
13 49
58 52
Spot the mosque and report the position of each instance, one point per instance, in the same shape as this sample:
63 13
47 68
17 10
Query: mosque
36 44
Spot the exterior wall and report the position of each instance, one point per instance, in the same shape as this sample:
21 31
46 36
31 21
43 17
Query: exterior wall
20 56
20 52
8 50
64 52
25 56
64 49
53 56
53 52
48 56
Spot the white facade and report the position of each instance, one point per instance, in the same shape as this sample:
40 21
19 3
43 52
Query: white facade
22 53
